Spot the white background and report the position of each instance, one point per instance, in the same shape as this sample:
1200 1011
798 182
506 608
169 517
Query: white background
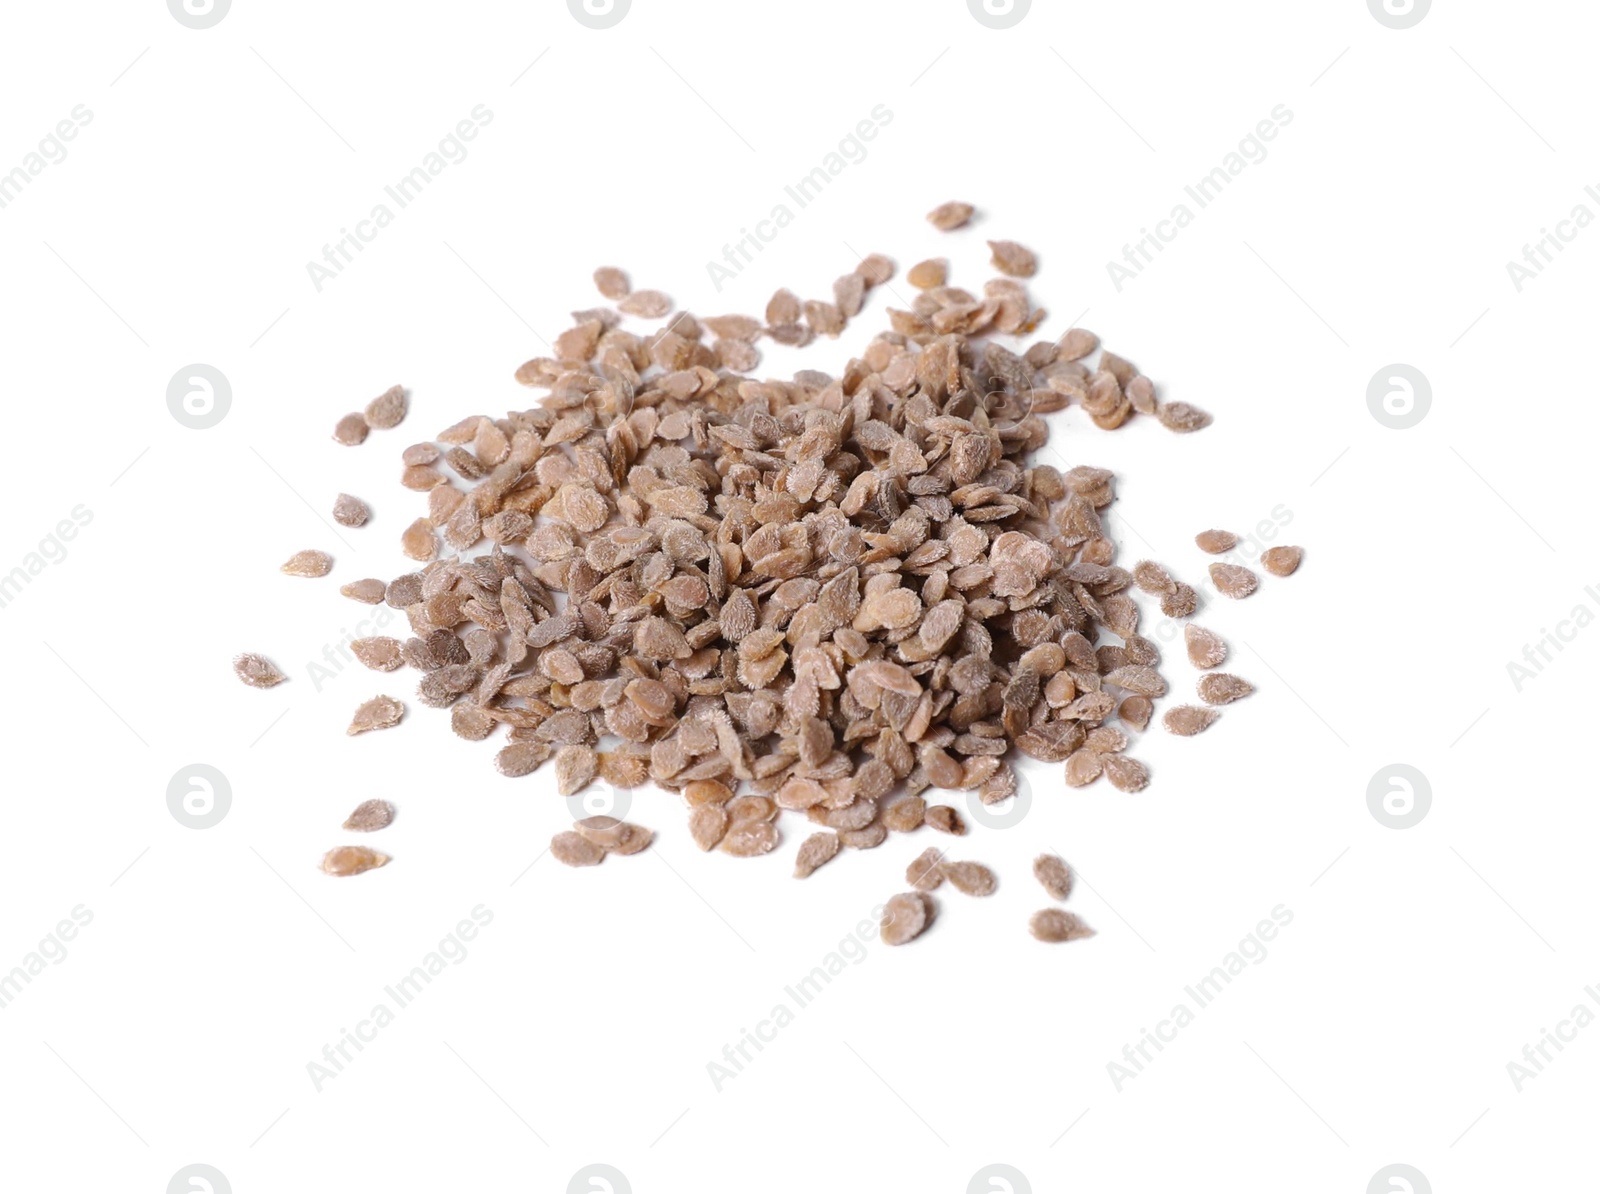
579 1027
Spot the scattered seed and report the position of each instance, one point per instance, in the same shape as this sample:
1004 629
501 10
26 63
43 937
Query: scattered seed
377 714
1219 688
970 878
1233 580
904 918
308 563
611 282
1216 542
1188 720
368 592
1281 561
816 850
257 671
370 816
351 430
949 216
1057 925
1206 648
573 849
1054 874
350 511
1012 259
352 860
926 871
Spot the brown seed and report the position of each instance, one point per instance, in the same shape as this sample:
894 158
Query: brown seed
1216 542
1125 774
368 592
1281 561
611 282
351 430
949 216
1084 767
707 825
308 563
1206 648
1181 602
1180 416
1233 580
1054 874
1153 578
380 654
1012 259
945 819
573 849
370 816
350 511
1188 720
904 917
970 878
352 860
905 815
388 409
816 850
418 541
1136 711
1057 924
926 871
747 839
575 768
875 268
1219 688
257 671
379 713
647 304
926 275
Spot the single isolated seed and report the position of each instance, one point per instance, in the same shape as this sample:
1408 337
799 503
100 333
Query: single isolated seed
611 282
1206 648
387 410
308 563
350 511
1054 875
344 861
379 713
1188 720
1219 688
904 917
1216 542
947 217
1012 259
1281 561
816 850
1056 925
1233 580
370 816
257 671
